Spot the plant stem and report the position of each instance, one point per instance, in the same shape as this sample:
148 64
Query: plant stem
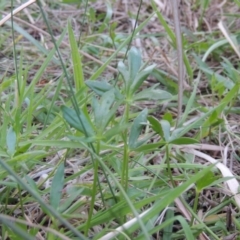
124 181
168 165
180 57
94 190
195 206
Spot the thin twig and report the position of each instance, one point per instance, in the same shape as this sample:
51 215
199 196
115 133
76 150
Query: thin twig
20 8
180 57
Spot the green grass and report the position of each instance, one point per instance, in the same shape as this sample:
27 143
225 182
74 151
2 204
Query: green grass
92 145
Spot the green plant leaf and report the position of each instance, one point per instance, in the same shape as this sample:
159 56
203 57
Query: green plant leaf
141 76
73 194
213 117
99 87
16 231
76 60
229 97
168 117
136 128
57 186
156 126
101 109
113 131
229 84
150 147
169 197
125 74
71 1
153 94
133 77
134 63
81 122
196 124
168 230
6 84
108 17
213 120
11 140
185 226
205 181
184 141
165 130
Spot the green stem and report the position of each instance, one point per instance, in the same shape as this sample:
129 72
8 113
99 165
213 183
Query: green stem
168 165
124 180
195 205
94 191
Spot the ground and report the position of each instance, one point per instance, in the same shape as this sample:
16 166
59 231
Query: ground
93 144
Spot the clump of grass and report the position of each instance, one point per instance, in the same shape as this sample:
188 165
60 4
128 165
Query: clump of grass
92 143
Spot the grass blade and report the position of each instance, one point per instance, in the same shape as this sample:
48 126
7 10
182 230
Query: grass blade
76 60
57 186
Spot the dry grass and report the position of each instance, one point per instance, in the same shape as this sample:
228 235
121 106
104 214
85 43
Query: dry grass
201 30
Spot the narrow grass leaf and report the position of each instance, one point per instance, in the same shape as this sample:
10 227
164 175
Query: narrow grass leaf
33 155
53 143
180 132
39 73
170 197
164 24
11 141
39 199
185 226
168 230
57 186
6 84
15 232
233 184
205 181
120 209
229 97
32 40
213 119
108 17
190 101
73 195
150 147
228 83
76 60
184 141
213 47
136 128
